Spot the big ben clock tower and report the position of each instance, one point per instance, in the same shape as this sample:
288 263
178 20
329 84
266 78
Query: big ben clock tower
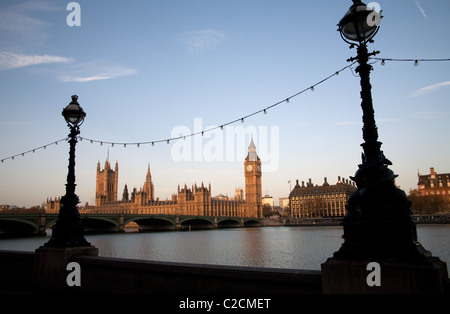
253 188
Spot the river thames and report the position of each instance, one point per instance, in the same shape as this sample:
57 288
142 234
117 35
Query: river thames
275 247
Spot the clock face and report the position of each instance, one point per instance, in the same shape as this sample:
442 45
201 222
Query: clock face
249 168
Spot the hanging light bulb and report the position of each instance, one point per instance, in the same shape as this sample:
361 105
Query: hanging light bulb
138 144
287 100
416 63
242 120
265 111
312 88
383 62
168 141
153 143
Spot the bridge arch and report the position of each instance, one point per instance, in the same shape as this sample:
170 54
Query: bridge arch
99 224
153 223
16 226
252 222
229 222
196 222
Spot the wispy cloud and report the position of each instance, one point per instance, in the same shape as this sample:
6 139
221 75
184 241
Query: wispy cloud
20 25
10 60
430 115
387 120
91 72
421 9
430 89
9 124
202 40
40 5
348 122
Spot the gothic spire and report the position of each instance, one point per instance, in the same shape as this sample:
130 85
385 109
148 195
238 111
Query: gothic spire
252 155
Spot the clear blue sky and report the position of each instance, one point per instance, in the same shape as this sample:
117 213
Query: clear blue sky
144 70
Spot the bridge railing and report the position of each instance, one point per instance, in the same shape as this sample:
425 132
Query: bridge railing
34 210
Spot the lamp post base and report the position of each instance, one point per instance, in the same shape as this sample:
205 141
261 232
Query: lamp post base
67 236
50 271
378 229
393 277
381 237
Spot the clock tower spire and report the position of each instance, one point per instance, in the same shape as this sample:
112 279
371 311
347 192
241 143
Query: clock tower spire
253 188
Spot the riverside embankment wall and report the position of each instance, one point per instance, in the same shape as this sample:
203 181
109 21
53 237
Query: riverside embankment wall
114 275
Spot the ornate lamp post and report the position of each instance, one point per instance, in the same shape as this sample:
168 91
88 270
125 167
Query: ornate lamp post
379 233
68 230
378 222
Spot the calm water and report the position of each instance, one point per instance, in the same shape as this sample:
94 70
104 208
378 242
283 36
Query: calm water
278 247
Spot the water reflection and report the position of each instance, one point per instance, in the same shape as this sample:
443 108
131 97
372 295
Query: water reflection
277 247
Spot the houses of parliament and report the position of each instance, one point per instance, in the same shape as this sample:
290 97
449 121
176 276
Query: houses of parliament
196 200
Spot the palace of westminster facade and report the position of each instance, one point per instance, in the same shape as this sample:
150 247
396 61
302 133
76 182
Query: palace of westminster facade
196 201
307 201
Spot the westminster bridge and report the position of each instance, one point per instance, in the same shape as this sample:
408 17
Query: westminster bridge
37 222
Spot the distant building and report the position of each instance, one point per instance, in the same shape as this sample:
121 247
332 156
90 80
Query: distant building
221 197
283 202
434 184
267 200
52 205
320 201
238 194
106 184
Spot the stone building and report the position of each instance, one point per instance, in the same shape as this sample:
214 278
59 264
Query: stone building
253 187
106 184
432 195
268 200
434 184
52 205
308 201
196 200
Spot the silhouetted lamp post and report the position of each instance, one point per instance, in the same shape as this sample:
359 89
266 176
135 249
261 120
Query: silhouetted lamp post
68 230
378 221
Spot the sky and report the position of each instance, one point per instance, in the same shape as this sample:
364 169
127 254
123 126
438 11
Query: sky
152 70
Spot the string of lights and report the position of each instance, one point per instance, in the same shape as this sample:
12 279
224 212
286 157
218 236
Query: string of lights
35 149
221 126
242 119
416 61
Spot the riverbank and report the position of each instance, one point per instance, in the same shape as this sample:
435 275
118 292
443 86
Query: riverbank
278 253
24 273
116 275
